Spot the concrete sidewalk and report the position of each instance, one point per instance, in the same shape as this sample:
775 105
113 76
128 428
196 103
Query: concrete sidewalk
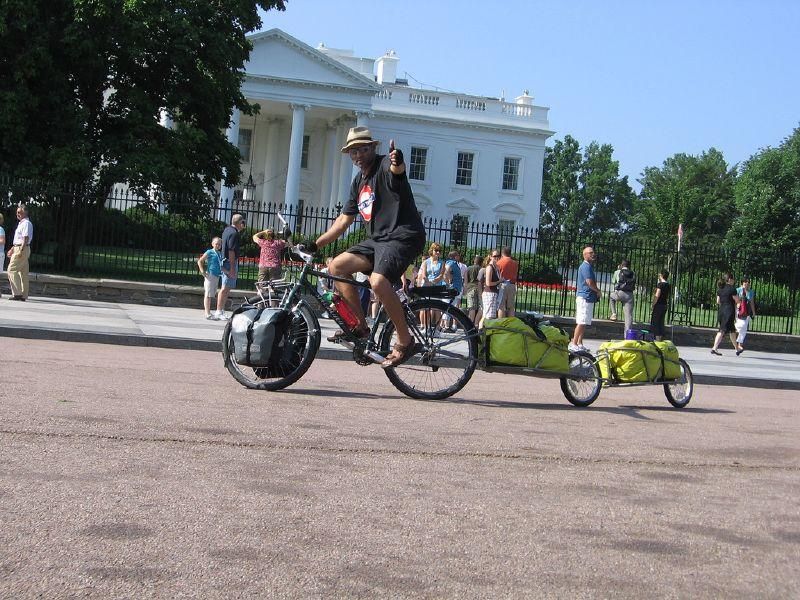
185 328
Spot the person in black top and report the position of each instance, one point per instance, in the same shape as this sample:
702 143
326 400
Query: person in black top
660 306
381 194
727 299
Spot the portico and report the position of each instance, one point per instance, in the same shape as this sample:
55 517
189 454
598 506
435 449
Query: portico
308 102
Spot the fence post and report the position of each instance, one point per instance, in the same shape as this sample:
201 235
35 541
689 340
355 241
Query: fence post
793 295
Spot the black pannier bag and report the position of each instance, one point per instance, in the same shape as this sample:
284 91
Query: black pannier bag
257 334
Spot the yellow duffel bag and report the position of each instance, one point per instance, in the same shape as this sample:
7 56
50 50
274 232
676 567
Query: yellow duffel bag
672 368
629 361
512 342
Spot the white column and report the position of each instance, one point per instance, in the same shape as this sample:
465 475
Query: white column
295 155
331 150
226 192
346 173
271 162
165 120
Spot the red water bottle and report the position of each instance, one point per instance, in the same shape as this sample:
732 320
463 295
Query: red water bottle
344 310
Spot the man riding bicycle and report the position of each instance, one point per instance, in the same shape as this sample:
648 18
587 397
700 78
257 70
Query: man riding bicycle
380 192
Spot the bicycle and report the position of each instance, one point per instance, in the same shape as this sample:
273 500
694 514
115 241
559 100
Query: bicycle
442 362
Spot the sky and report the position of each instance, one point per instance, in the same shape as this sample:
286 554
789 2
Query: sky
652 78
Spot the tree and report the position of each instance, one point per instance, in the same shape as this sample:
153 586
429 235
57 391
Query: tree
559 185
606 199
696 191
583 194
767 192
83 82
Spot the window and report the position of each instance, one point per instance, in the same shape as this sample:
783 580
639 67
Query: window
458 230
304 154
464 168
510 173
419 158
505 232
245 143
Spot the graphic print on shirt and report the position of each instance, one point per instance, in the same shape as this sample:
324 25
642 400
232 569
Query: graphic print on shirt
366 198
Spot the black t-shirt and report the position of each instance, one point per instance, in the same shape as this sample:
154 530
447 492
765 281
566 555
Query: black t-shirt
726 294
664 295
386 203
230 241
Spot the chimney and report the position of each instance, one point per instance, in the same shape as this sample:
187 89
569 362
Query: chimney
526 98
387 67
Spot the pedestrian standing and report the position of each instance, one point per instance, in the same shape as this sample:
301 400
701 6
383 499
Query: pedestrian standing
473 289
210 265
623 293
509 273
231 250
745 313
491 286
587 294
727 299
269 258
660 305
19 254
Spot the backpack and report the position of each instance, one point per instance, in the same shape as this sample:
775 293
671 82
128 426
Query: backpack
627 281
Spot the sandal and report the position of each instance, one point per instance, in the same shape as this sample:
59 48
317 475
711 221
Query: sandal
360 332
399 355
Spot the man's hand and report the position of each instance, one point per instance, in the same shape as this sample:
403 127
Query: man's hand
396 164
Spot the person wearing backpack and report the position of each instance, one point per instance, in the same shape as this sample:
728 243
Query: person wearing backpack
624 286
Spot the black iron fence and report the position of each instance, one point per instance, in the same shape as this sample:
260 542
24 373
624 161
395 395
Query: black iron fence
160 237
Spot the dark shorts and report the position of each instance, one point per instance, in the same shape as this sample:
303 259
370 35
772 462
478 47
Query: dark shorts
390 258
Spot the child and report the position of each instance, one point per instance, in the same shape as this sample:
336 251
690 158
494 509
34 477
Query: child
210 265
269 261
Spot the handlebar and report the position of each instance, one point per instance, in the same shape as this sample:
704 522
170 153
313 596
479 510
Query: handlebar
301 251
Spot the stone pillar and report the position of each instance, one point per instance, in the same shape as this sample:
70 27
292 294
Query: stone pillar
271 163
224 212
295 155
331 150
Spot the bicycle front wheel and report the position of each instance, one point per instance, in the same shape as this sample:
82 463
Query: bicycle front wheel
297 351
445 353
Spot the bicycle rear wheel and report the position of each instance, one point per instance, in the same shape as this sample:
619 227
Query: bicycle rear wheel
443 360
297 351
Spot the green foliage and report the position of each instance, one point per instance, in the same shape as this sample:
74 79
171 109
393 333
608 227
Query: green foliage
144 228
83 83
539 269
694 190
773 299
768 202
583 194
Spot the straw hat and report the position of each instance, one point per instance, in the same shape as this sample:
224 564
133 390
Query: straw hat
358 136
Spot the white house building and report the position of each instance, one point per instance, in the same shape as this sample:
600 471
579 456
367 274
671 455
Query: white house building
475 158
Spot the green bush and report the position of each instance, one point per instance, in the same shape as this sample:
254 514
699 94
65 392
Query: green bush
772 299
538 269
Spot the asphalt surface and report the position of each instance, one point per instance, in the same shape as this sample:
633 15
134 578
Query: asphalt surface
140 472
183 328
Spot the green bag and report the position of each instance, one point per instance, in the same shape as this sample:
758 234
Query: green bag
672 368
633 361
510 341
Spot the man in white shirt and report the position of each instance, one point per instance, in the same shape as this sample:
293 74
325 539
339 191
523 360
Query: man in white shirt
20 254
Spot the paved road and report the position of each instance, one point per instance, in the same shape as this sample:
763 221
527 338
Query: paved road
134 324
147 472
